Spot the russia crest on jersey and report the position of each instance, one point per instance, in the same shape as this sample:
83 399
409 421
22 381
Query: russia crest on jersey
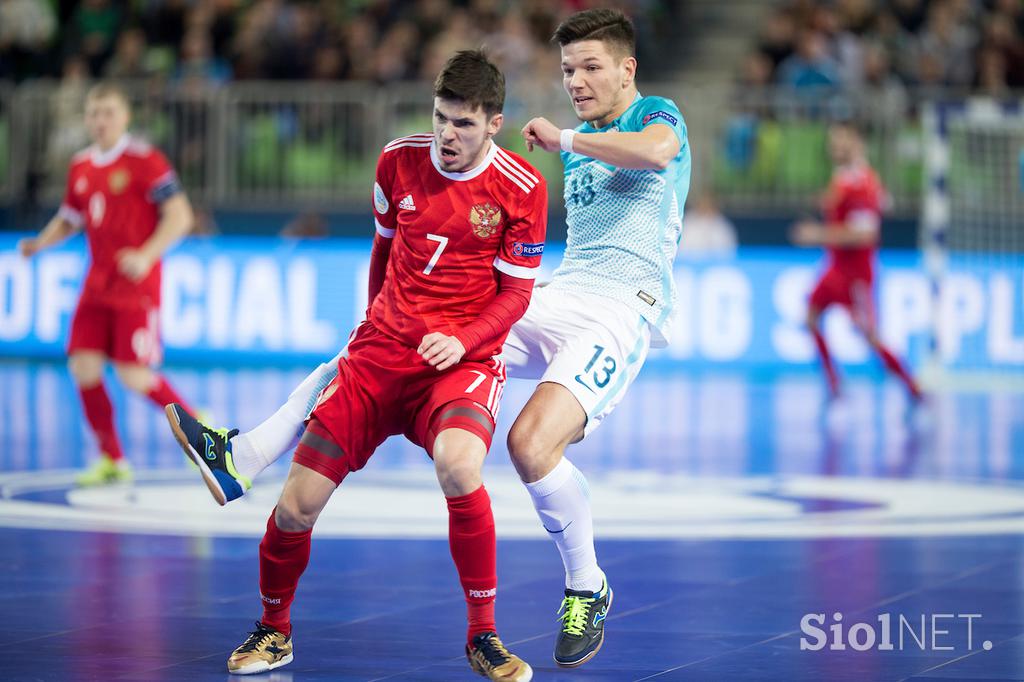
485 219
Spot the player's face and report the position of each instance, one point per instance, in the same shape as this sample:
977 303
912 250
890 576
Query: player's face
462 134
599 82
106 118
843 145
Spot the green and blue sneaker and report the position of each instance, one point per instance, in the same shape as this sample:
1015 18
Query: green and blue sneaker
582 634
105 472
210 450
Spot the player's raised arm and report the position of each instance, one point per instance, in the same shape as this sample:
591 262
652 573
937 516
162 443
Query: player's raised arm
57 230
66 222
859 230
653 148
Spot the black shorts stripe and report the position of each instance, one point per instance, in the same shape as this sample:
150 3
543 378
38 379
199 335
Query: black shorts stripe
324 446
470 413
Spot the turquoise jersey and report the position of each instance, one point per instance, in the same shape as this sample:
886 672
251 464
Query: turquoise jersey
624 225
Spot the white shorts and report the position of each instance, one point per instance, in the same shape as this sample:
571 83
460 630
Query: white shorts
592 345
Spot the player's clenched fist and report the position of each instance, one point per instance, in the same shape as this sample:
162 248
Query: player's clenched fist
441 351
542 133
806 233
28 247
134 264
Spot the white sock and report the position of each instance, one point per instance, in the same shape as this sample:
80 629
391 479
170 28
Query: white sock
562 500
255 450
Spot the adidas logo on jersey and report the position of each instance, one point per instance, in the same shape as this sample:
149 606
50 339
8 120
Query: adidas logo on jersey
407 203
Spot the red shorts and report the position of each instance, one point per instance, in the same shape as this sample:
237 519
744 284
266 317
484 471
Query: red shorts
853 293
385 388
129 335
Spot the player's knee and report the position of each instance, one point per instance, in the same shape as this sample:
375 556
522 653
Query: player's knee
295 514
457 473
138 379
464 430
86 370
528 450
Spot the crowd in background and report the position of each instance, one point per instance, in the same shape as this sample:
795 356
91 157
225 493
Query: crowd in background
218 40
891 45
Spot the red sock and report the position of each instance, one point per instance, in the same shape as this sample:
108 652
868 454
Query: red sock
100 415
472 541
897 368
283 558
826 362
163 394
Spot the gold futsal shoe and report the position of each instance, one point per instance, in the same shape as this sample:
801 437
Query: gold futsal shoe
489 657
264 649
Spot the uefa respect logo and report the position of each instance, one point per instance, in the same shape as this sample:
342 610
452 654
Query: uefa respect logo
891 632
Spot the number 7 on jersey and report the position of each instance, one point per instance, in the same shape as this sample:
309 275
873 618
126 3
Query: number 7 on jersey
442 242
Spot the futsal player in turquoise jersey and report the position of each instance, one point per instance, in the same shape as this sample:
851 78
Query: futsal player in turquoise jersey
627 173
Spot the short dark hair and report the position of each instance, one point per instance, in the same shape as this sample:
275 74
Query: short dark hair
470 77
610 26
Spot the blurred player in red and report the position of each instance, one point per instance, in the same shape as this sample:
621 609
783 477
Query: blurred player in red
126 196
852 209
460 230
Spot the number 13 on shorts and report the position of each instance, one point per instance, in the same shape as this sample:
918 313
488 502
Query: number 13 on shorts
598 371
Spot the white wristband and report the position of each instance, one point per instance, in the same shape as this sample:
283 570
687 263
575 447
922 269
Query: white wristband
565 141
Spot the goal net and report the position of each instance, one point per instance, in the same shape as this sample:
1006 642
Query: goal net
972 235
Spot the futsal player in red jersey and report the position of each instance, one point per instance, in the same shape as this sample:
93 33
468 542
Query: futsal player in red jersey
852 207
460 227
127 198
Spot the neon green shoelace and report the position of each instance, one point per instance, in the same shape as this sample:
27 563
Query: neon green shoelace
574 613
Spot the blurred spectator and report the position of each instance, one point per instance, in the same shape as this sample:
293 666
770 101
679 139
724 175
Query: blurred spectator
68 133
129 60
93 32
948 45
991 79
396 58
1002 36
909 13
360 38
306 226
887 96
26 29
778 37
328 63
164 21
752 95
811 66
460 34
846 49
706 231
887 45
372 40
198 63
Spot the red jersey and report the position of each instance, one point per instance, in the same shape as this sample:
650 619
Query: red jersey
453 233
854 198
116 195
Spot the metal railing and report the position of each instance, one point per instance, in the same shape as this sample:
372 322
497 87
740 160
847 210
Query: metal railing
314 145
